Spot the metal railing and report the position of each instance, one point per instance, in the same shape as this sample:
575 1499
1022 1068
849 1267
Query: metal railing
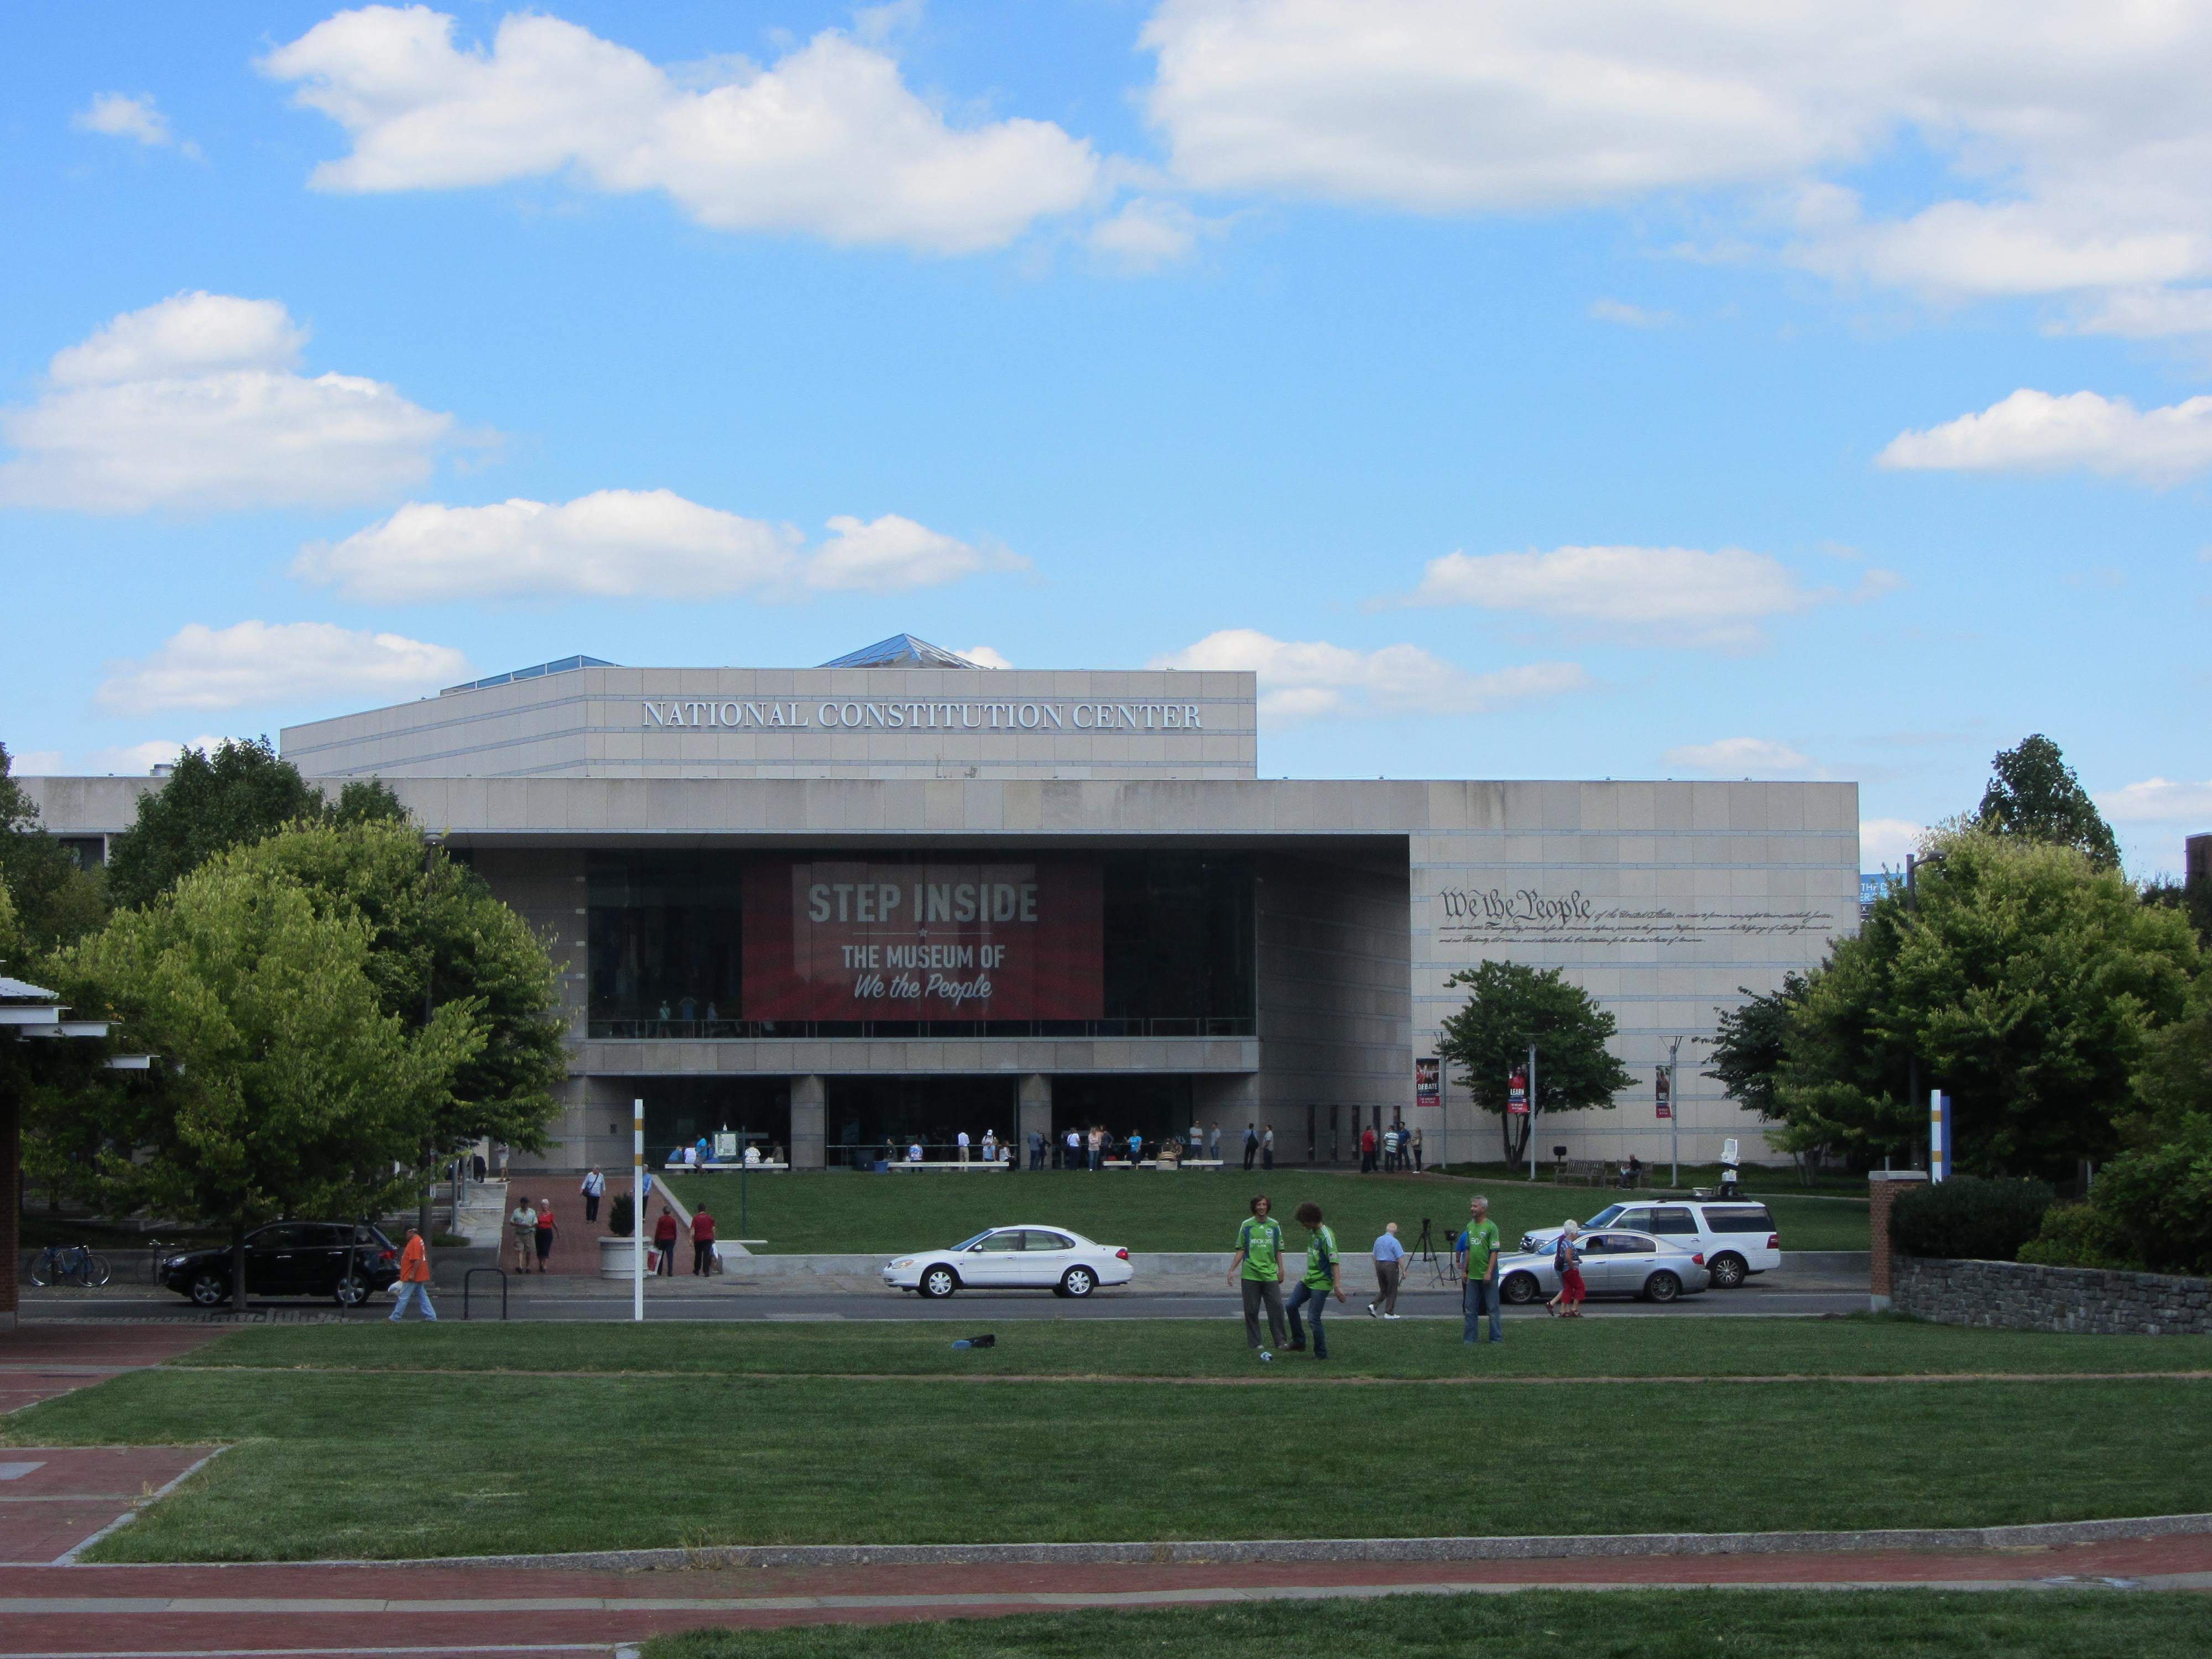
653 1028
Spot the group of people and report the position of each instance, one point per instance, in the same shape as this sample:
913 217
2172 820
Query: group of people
667 1230
1393 1150
530 1225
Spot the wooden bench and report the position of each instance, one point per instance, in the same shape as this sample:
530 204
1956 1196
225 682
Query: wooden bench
977 1168
1590 1171
723 1168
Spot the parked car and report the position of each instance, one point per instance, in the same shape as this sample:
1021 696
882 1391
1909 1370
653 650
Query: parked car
1024 1257
336 1259
1614 1262
1736 1236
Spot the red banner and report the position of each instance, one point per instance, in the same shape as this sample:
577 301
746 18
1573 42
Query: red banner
850 939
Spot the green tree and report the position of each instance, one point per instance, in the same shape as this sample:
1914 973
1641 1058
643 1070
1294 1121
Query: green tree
283 1086
1750 1044
2027 981
210 803
2034 794
1512 1006
56 900
2193 898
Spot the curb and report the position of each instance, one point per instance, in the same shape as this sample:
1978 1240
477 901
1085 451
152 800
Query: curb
1566 1546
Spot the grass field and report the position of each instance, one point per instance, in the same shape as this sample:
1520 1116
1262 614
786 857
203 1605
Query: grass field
330 1458
1531 1624
836 1211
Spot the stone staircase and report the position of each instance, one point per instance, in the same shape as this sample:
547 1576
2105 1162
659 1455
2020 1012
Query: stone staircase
484 1212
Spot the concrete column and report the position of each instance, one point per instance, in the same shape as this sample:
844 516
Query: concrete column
1032 1110
809 1109
1883 1187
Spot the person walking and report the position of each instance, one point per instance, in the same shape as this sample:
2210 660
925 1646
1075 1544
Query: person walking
414 1279
1257 1270
1389 1266
478 1168
702 1242
1477 1258
1267 1147
1251 1147
593 1189
522 1224
544 1232
1417 1152
664 1240
1322 1279
1566 1263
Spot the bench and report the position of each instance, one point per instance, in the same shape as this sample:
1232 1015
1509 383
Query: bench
721 1169
976 1167
1590 1171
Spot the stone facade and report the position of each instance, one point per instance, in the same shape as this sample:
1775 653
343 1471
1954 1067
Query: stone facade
2016 1296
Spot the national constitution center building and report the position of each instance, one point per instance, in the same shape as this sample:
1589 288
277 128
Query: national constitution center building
901 896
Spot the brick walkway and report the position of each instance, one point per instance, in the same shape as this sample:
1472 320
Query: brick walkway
38 1362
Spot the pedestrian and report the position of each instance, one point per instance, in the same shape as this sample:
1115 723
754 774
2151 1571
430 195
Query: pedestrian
1097 1148
499 1152
1257 1271
1036 1139
594 1188
1267 1147
543 1230
1566 1263
477 1167
664 1240
1075 1155
702 1242
962 1143
913 1152
1197 1142
1477 1253
705 1148
1367 1151
522 1223
1417 1152
1214 1141
1251 1146
414 1279
1322 1279
990 1145
1136 1149
1389 1266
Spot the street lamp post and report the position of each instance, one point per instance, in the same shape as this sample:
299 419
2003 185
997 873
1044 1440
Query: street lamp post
1532 1109
1674 1114
1912 865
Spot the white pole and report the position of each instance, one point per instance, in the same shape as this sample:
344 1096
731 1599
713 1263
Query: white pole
1532 1111
637 1211
1674 1114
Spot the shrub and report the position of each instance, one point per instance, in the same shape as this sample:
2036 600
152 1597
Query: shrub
2078 1236
2150 1209
620 1217
1969 1219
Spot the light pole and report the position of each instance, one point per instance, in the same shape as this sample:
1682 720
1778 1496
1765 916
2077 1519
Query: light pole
1674 1114
1912 864
637 1211
430 841
1532 1109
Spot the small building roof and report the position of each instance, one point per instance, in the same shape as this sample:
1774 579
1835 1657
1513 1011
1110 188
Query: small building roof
901 651
535 672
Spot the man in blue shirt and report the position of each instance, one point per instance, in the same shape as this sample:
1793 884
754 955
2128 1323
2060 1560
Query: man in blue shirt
1390 1263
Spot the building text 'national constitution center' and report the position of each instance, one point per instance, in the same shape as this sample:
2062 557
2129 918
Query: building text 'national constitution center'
902 896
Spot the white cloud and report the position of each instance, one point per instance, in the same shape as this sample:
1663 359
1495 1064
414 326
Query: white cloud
2075 142
36 763
2035 432
122 115
828 140
1149 232
1743 757
1630 316
1883 842
256 662
135 759
1658 596
2148 313
196 402
2160 800
983 654
620 543
1304 679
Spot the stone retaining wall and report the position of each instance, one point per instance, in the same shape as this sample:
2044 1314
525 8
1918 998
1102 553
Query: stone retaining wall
2019 1297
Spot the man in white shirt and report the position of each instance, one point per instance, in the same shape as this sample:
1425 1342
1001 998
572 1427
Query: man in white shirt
1389 1264
962 1143
914 1153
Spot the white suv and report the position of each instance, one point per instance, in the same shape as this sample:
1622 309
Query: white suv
1736 1236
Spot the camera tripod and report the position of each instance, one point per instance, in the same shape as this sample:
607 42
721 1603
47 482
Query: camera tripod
1443 1270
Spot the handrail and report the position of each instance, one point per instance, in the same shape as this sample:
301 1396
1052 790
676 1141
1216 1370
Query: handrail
470 1275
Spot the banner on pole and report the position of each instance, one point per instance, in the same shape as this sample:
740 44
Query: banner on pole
1517 1095
1666 1095
1428 1083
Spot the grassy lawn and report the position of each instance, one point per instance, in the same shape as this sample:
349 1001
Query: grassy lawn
840 1213
1360 1347
346 1462
1530 1625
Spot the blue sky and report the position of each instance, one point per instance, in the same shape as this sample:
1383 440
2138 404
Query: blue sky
1519 393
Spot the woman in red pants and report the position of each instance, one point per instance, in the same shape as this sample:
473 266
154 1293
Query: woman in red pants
1566 1261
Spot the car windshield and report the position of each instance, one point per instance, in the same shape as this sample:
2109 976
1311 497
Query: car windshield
1607 1216
969 1243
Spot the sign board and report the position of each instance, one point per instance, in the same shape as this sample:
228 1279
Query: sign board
1517 1095
1666 1095
852 939
1428 1083
725 1147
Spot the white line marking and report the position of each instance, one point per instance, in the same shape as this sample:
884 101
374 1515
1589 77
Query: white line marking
17 1471
68 1558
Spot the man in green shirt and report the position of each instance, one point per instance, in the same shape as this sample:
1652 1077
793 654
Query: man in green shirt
1478 1255
1321 1279
1258 1268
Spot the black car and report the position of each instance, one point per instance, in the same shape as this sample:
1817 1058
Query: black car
347 1262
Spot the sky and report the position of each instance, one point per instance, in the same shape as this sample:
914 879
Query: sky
1524 390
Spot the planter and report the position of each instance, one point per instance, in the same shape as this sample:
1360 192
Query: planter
617 1258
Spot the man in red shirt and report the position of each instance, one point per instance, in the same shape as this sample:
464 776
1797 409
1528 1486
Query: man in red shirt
1367 1152
664 1240
702 1242
414 1279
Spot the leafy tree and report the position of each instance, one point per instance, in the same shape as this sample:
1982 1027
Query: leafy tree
1512 1006
55 899
2033 793
2027 981
284 1087
2192 898
238 794
1749 1047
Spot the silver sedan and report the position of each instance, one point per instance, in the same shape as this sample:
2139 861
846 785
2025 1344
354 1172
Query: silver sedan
1614 1263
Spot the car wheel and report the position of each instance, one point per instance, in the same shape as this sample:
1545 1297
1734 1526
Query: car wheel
1728 1271
1662 1287
1519 1289
939 1283
350 1292
1078 1282
209 1288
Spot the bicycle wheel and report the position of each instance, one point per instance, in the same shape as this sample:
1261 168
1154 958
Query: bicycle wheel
95 1271
39 1269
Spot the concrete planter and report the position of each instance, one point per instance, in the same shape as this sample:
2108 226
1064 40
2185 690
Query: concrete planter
618 1260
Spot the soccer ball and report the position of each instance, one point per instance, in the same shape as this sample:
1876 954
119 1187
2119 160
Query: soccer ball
1266 1359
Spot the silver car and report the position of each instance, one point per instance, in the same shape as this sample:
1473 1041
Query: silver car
1614 1263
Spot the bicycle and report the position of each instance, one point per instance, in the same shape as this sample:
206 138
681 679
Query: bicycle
68 1264
157 1251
